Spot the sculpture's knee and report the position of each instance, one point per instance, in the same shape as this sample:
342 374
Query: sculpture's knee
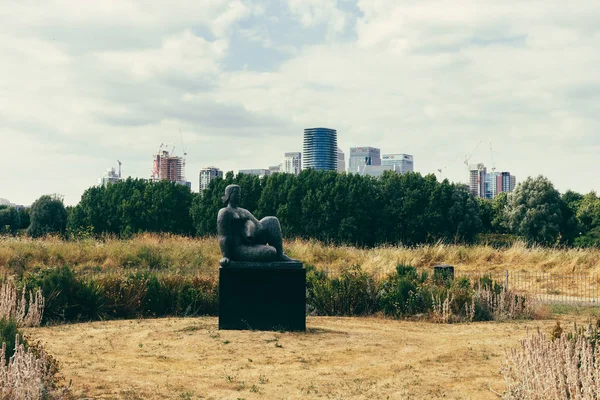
270 223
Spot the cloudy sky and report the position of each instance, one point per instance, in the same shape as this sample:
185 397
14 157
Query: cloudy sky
84 83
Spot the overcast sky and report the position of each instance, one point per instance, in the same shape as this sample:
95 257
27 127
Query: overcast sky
84 83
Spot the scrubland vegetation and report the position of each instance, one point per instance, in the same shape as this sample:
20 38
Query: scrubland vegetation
27 371
561 365
152 275
200 256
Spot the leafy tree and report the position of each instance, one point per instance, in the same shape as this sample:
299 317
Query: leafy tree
24 218
10 220
48 216
535 211
499 213
570 227
486 213
588 217
133 206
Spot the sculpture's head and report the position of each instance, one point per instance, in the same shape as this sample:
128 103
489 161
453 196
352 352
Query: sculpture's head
232 195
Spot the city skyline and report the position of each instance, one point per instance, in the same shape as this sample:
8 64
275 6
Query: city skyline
86 86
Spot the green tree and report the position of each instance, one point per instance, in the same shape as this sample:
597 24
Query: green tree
48 216
499 213
24 218
10 220
535 211
588 217
133 206
570 227
486 213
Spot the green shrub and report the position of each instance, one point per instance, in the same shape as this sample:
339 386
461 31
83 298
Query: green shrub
123 294
177 295
8 333
405 293
140 294
68 297
354 292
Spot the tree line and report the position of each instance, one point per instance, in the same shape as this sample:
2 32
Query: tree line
408 209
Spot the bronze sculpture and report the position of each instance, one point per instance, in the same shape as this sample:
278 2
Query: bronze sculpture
242 237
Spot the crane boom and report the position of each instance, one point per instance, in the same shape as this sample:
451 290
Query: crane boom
492 157
467 158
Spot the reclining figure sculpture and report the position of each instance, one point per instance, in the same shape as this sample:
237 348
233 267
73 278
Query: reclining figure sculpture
244 238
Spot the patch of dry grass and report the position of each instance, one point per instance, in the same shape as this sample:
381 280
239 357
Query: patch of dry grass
362 358
201 256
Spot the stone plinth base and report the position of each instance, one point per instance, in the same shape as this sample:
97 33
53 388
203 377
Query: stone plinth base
262 296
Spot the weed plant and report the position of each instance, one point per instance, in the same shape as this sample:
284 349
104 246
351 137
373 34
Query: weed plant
564 366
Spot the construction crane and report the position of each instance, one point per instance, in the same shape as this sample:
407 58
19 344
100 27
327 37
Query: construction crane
492 157
119 168
441 170
183 148
467 158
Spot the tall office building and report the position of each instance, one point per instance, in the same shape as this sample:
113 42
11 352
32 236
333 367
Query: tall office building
260 172
377 170
206 175
292 163
491 184
320 149
505 182
168 167
361 156
341 161
477 173
405 162
110 176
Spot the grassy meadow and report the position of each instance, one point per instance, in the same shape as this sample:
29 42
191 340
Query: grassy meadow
200 256
337 358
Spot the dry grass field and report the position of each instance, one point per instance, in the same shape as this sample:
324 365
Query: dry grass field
337 358
201 255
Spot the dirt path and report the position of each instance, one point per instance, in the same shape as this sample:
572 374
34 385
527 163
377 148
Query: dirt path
338 358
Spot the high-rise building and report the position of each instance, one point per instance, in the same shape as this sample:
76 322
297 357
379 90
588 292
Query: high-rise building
292 163
110 176
405 162
505 182
477 173
361 156
257 171
491 184
377 170
166 167
206 175
320 149
341 161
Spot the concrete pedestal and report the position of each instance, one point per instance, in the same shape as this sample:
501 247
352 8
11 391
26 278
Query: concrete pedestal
262 296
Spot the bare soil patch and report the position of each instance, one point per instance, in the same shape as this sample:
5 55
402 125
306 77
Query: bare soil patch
337 358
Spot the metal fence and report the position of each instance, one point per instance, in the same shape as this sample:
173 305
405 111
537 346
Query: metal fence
577 289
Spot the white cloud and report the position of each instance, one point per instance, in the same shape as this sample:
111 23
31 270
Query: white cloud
90 82
313 12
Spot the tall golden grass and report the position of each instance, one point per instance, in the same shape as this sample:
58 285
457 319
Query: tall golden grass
201 256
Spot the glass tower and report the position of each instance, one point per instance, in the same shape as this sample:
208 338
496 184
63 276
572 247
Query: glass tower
320 149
